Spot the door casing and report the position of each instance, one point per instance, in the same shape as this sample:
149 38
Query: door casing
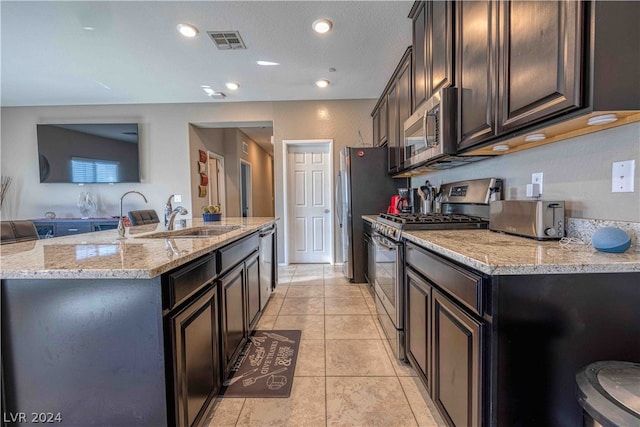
286 188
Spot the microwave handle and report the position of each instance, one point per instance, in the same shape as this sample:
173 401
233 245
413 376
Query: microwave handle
424 127
436 140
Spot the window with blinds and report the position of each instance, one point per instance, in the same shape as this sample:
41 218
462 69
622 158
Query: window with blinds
91 170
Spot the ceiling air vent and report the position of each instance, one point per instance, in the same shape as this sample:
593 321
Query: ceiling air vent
227 40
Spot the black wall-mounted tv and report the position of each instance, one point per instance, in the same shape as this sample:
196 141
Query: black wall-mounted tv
89 153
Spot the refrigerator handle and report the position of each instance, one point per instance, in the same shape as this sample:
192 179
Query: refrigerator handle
338 209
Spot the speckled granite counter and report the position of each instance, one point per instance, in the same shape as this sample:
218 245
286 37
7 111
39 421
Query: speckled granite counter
502 254
101 255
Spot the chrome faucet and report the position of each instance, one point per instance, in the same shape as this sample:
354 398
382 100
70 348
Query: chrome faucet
167 210
179 210
121 222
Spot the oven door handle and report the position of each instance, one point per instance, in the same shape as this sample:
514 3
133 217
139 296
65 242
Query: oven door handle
382 242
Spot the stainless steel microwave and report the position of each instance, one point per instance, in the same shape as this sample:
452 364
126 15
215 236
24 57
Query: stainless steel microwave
430 132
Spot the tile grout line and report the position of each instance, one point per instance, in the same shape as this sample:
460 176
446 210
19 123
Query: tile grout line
324 343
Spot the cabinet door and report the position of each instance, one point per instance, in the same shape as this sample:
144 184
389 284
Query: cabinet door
457 363
233 314
252 267
476 74
393 143
376 128
420 54
540 60
104 225
384 122
404 107
196 365
67 228
419 325
440 19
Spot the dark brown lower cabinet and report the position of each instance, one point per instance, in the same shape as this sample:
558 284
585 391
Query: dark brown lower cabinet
419 325
196 352
457 363
252 267
234 330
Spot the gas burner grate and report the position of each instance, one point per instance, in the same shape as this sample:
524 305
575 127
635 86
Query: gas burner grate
432 221
430 218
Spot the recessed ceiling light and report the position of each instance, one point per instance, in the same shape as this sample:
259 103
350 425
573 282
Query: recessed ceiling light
232 85
187 30
535 137
208 90
322 25
602 120
501 147
88 28
267 63
322 83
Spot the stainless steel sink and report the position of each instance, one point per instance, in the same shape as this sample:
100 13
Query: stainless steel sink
196 232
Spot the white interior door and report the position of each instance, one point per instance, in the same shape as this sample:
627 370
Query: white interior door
309 203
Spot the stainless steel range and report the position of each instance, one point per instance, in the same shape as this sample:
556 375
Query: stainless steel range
463 205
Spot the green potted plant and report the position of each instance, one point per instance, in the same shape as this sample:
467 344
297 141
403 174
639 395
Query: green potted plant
211 213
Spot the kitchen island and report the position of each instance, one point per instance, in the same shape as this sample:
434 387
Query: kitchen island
499 325
98 330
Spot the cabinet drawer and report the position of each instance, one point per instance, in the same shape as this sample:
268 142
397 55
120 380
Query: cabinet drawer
462 285
184 282
72 227
236 252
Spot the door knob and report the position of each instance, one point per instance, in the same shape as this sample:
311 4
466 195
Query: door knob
327 211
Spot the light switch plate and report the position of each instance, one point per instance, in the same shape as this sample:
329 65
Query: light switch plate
622 176
177 198
536 178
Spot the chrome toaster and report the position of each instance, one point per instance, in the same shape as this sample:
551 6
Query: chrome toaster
538 219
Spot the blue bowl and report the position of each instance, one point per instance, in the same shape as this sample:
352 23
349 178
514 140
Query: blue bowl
209 217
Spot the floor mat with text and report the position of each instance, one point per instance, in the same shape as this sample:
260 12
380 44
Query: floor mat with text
265 365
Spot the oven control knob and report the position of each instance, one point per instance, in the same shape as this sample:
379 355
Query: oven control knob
552 232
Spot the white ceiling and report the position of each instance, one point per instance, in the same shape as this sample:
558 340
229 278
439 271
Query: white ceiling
135 55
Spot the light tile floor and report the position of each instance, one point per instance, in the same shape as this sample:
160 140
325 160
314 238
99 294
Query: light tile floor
346 374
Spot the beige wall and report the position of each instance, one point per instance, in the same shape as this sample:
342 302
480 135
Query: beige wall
342 121
262 196
227 142
577 170
206 140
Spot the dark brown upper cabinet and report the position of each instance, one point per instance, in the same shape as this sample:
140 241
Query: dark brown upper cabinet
476 76
391 111
380 124
540 59
518 63
384 123
432 67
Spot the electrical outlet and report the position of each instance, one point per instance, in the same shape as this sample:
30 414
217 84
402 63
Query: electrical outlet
622 175
536 178
177 198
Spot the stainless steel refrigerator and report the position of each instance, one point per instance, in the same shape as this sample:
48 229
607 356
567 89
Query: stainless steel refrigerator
363 187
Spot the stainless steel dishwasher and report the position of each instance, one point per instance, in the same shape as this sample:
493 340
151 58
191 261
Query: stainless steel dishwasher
268 264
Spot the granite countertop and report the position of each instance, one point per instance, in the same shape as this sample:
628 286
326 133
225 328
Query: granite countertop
502 254
101 255
498 254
